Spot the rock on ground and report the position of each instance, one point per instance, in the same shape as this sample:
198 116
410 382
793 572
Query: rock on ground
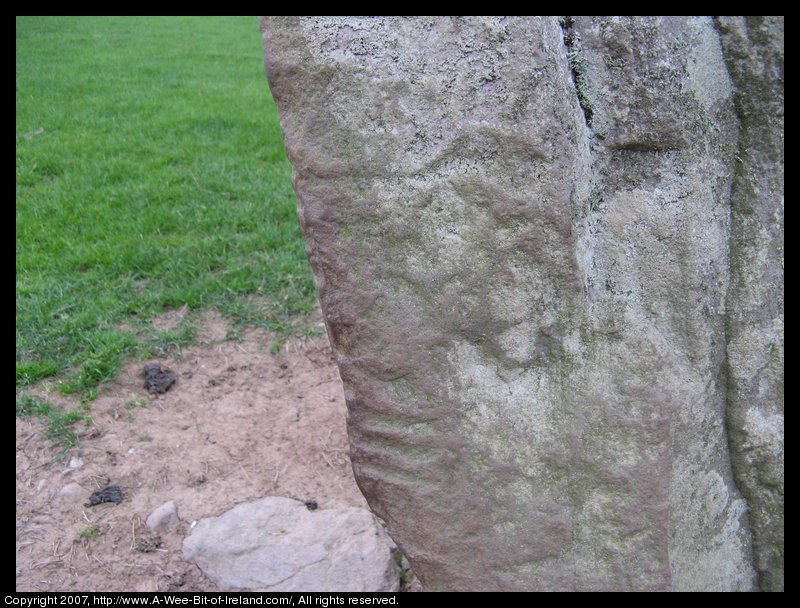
164 518
549 256
278 544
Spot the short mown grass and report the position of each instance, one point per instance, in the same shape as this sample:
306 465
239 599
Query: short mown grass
150 175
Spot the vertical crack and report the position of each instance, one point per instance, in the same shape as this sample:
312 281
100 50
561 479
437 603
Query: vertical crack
577 65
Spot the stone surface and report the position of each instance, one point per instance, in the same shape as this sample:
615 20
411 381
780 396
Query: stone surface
278 544
72 492
164 518
549 257
754 53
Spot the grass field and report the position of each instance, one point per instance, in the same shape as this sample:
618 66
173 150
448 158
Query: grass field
150 174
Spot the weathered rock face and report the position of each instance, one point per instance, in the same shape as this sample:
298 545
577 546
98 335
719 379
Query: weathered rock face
550 282
753 49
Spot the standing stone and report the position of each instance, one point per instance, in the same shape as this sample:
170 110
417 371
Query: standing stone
753 49
523 233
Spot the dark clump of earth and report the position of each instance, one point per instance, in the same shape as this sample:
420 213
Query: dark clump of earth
157 379
109 494
148 544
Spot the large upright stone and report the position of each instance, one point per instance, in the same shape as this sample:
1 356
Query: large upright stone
519 230
754 53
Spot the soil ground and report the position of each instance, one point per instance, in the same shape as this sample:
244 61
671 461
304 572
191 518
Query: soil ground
239 423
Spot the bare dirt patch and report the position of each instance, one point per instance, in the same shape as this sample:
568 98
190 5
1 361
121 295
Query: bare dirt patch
239 423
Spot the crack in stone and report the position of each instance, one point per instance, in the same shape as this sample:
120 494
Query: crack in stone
577 66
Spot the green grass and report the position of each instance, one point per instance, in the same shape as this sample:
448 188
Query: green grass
89 531
58 424
150 174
